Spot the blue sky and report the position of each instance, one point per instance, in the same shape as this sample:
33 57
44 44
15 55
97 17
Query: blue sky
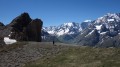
56 12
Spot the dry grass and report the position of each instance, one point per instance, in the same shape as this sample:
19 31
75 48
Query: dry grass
71 56
12 46
81 57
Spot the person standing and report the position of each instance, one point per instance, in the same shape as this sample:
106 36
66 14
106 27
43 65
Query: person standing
53 42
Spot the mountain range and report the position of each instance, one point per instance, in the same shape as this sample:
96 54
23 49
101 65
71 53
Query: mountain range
102 32
67 31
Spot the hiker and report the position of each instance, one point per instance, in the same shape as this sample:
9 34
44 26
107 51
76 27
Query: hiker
53 42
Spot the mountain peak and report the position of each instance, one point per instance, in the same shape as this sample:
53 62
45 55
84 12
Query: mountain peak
87 20
69 24
107 32
65 28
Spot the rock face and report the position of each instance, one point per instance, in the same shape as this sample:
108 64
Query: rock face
34 30
22 28
21 21
85 24
19 25
1 24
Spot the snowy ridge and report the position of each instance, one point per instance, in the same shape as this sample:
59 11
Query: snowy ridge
87 20
89 33
109 20
98 27
106 31
66 28
68 24
109 17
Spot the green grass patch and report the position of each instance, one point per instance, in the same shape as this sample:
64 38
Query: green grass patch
81 57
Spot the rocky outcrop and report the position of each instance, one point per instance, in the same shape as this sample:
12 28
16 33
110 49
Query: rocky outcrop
22 28
19 25
33 30
20 22
1 24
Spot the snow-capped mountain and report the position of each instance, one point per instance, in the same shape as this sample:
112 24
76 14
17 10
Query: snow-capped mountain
102 31
87 21
110 22
85 24
65 32
66 28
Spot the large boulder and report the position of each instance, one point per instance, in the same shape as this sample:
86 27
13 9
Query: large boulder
25 29
22 28
21 21
1 41
34 30
19 25
1 24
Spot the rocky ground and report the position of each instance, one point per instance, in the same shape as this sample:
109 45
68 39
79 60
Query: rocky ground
18 56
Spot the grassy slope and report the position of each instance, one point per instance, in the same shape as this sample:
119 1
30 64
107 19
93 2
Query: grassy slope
81 57
75 56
